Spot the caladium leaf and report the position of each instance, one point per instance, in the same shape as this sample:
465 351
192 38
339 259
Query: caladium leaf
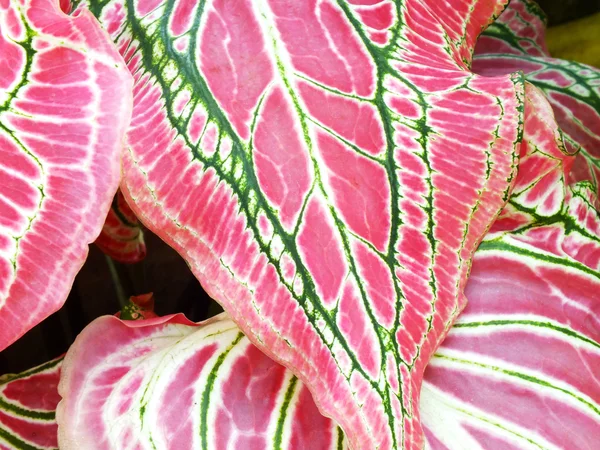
169 383
519 369
516 42
520 30
28 400
27 408
65 103
122 237
540 189
327 170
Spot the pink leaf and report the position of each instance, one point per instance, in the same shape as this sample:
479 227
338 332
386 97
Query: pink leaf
171 383
27 408
520 367
64 108
249 154
515 42
540 188
122 237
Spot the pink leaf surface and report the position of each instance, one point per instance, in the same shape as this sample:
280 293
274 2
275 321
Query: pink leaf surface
169 383
540 190
65 103
308 159
28 400
520 367
27 408
518 370
515 42
122 237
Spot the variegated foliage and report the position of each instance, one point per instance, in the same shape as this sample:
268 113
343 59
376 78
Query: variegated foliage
65 102
518 370
27 408
170 383
28 400
520 366
516 42
122 237
301 257
327 169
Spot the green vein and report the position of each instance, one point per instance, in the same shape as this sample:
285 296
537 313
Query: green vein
208 388
523 377
533 323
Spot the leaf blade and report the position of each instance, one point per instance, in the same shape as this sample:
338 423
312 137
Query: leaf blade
248 222
27 403
219 391
122 237
61 154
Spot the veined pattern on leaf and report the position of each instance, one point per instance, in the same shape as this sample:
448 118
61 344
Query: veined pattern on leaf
515 42
176 384
27 408
540 190
269 137
555 193
122 237
519 369
516 371
65 103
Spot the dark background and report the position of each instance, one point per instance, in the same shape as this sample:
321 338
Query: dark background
163 272
95 293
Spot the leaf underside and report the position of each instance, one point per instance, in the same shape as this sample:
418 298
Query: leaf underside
122 237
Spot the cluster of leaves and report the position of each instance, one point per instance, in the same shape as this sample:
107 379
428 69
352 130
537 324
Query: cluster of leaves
342 176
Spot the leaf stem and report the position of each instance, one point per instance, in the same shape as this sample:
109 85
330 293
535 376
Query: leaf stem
121 297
